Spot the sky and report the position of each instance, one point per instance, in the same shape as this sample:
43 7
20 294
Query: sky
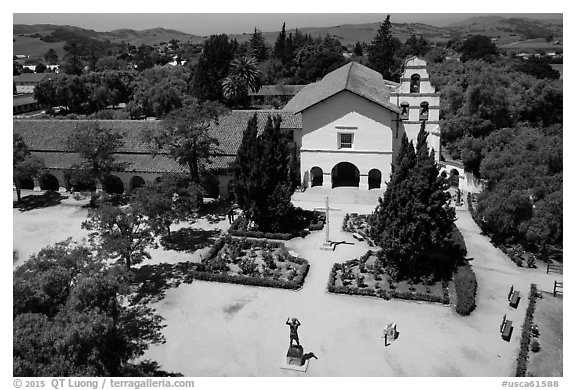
204 18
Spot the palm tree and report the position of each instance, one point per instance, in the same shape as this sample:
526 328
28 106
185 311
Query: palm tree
244 76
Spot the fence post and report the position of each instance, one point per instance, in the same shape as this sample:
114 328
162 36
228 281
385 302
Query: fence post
547 267
555 288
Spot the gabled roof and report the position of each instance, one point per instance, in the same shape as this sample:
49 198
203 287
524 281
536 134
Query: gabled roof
352 77
47 138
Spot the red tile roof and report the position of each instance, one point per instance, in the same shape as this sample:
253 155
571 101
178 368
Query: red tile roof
47 139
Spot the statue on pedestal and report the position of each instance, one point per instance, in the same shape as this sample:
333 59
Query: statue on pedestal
294 324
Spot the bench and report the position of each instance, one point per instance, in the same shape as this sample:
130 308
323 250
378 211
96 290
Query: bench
507 330
358 236
515 299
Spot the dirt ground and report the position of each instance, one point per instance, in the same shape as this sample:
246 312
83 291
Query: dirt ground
549 318
217 329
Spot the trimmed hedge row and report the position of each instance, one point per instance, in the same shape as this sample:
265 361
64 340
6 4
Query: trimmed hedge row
250 280
253 281
466 285
380 293
522 361
238 229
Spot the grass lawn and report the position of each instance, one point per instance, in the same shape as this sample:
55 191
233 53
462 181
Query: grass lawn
549 318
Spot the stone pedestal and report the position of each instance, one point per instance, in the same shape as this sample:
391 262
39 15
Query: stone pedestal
295 359
327 247
294 355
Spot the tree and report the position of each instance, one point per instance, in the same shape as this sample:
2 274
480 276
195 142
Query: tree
412 222
72 63
72 317
185 133
24 165
263 177
120 232
415 46
280 45
40 68
246 164
538 68
258 47
318 65
212 67
358 49
51 57
382 52
96 147
168 200
478 47
244 77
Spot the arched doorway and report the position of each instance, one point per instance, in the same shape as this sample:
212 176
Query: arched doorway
374 178
345 174
49 182
454 178
136 182
317 177
113 185
27 183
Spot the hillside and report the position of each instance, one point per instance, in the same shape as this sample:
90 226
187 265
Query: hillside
506 31
30 39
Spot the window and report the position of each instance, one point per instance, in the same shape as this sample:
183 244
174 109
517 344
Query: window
415 83
345 141
424 110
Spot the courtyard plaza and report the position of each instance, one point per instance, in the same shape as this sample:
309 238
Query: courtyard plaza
218 329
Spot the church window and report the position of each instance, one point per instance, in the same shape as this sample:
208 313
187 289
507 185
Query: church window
404 109
345 140
423 110
415 83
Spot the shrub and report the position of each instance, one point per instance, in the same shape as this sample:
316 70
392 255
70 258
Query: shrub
466 286
535 346
522 359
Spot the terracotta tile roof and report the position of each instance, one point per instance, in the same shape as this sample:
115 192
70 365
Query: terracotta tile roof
47 139
352 77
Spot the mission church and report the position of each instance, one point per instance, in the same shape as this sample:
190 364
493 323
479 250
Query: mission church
348 127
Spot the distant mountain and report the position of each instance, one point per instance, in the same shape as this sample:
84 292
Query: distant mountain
508 30
504 31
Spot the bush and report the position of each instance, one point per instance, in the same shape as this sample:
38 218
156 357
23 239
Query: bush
522 360
466 286
535 346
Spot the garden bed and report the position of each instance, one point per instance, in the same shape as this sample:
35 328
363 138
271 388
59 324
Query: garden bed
252 262
359 224
364 276
241 228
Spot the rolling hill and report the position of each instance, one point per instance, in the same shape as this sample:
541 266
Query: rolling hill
30 39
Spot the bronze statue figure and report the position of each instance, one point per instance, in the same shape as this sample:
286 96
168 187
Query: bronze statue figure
294 324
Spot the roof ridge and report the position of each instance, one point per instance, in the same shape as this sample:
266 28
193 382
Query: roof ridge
348 74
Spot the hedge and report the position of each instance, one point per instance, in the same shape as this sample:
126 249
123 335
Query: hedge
380 293
466 286
522 361
237 230
200 274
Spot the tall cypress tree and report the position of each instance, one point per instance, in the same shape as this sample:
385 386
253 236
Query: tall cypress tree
280 44
246 162
382 52
258 47
413 223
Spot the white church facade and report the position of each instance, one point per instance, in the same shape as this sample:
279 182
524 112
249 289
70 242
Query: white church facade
353 122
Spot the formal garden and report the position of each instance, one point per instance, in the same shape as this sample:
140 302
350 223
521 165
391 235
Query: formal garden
252 262
367 275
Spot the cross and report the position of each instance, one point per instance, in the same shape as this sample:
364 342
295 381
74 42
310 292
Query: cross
327 244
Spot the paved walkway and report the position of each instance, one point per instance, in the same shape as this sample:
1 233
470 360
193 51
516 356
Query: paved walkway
218 329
